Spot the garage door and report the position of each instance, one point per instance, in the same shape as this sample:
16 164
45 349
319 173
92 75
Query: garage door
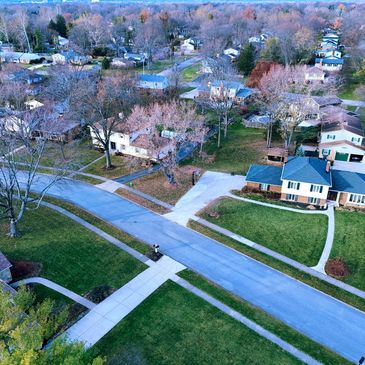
341 156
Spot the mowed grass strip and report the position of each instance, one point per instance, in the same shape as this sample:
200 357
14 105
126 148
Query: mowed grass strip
349 244
71 255
298 236
173 326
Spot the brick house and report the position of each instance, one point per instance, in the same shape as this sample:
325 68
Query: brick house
308 180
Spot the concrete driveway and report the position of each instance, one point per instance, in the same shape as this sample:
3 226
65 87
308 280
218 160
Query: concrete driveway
326 320
210 186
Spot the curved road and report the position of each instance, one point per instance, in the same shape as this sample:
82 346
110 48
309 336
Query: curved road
313 313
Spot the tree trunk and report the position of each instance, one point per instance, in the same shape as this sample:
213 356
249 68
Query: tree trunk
269 136
108 160
201 149
13 228
170 175
225 125
219 133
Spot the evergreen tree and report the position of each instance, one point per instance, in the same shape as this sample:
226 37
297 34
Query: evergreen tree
105 64
246 60
59 26
38 41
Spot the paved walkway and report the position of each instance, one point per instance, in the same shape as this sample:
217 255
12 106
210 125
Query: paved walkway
210 187
104 316
138 174
329 239
324 319
60 289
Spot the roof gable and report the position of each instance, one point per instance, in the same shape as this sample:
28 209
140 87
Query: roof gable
308 170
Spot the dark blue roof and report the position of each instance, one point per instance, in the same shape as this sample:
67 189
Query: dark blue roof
264 174
308 170
244 93
152 78
330 61
347 181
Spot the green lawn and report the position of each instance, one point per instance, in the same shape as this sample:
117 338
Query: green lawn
76 155
295 235
191 73
122 166
70 255
175 327
349 243
242 147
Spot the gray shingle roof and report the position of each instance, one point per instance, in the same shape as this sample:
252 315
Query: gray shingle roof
308 170
264 174
152 78
349 182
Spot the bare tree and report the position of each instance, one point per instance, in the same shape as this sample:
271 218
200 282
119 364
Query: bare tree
21 23
21 153
286 97
167 127
102 106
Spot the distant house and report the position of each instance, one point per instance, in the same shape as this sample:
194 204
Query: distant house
6 47
62 42
72 57
119 62
153 82
33 104
20 57
235 91
314 74
128 141
25 76
5 265
308 180
257 121
342 138
190 45
137 58
331 63
233 52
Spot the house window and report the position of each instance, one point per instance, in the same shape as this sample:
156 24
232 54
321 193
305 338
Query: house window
326 152
122 147
292 197
314 201
316 188
264 187
293 185
331 136
357 199
355 139
113 146
138 150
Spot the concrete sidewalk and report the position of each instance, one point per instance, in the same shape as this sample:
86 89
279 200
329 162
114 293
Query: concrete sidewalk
210 187
103 317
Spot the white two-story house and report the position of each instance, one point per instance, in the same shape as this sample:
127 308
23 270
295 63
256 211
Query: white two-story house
342 138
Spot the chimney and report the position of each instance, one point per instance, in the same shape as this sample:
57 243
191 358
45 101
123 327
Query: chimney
328 166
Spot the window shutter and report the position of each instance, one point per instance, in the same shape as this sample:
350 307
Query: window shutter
321 189
298 186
